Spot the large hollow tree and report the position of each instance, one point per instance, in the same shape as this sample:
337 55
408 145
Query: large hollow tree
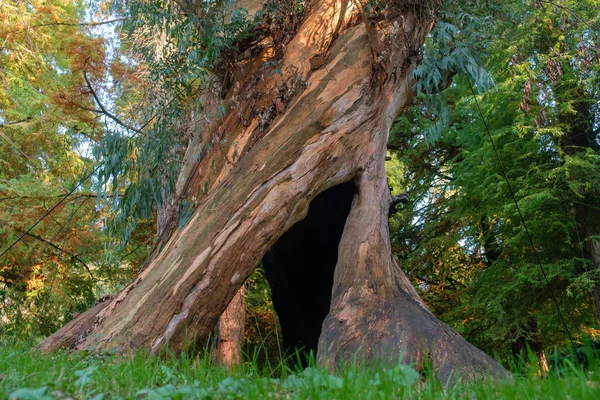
320 121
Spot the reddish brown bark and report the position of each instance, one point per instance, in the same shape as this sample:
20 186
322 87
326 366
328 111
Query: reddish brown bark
229 333
285 139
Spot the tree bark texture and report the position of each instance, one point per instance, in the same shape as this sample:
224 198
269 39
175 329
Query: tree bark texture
286 138
230 332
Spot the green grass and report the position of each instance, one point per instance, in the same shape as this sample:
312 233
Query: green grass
26 374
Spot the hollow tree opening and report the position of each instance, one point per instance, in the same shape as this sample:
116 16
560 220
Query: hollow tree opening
300 266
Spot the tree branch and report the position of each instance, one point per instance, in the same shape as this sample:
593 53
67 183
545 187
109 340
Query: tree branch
76 197
571 12
14 145
396 146
131 252
96 23
73 257
2 125
403 198
103 110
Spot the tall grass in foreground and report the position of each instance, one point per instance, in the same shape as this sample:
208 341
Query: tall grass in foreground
26 374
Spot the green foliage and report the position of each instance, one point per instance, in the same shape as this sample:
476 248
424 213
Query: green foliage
461 238
181 55
47 129
262 336
25 374
453 47
178 53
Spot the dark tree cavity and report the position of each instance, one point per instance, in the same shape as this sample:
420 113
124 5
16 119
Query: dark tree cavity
300 267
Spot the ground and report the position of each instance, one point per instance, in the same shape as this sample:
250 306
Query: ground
25 374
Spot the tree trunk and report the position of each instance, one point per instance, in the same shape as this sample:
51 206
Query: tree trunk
230 332
580 138
285 139
591 250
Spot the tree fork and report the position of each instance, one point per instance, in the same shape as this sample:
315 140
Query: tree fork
285 139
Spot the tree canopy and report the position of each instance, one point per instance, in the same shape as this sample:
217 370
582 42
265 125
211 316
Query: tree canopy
462 238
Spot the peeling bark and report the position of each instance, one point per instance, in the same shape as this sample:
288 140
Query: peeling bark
284 140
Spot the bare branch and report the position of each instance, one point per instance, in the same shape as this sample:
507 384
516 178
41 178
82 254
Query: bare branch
95 23
103 109
82 195
2 125
73 257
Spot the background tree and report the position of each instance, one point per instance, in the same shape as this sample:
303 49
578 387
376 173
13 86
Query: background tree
49 125
462 238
